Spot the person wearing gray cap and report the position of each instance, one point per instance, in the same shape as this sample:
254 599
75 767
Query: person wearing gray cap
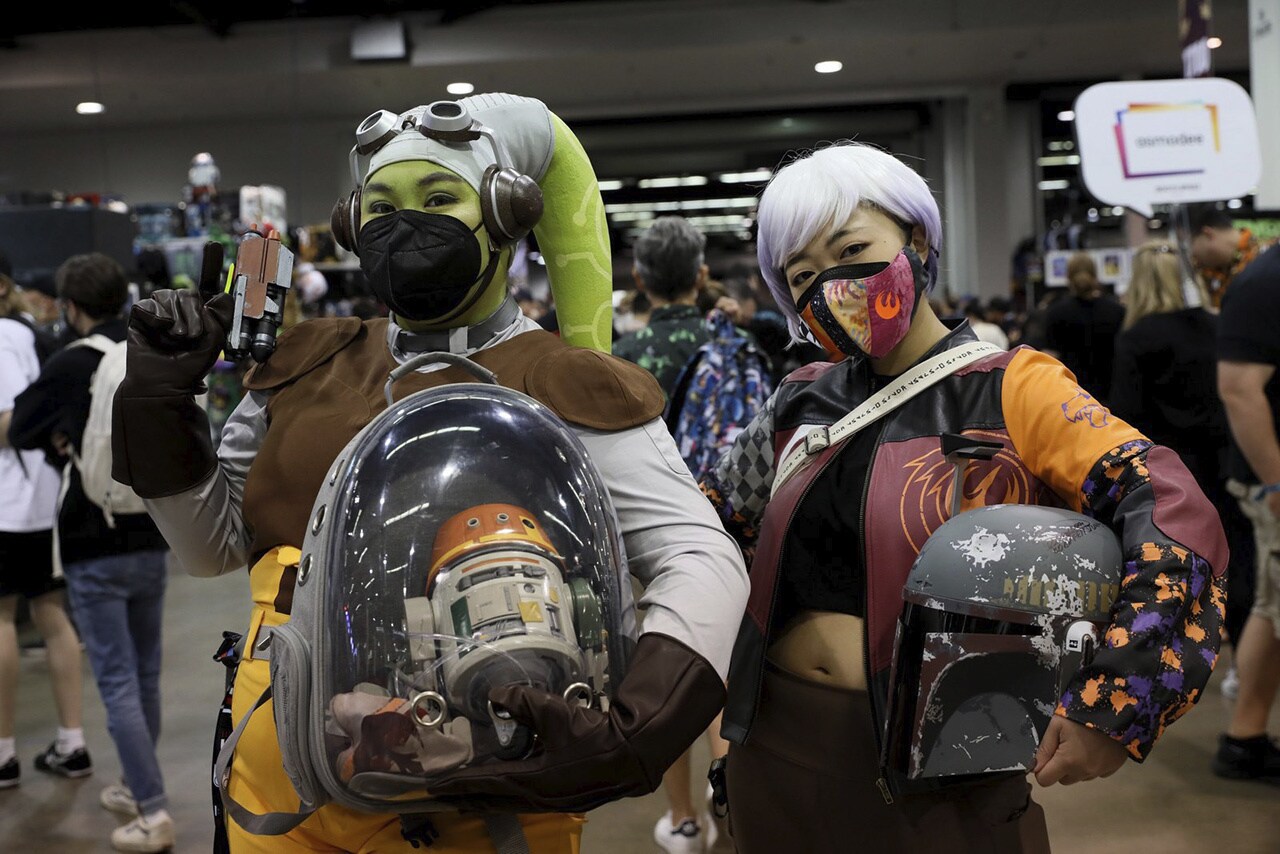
443 193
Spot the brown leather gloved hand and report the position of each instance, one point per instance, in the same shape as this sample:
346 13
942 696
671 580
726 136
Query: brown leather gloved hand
587 758
160 438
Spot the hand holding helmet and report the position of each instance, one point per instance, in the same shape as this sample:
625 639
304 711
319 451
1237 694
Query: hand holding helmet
1072 753
585 757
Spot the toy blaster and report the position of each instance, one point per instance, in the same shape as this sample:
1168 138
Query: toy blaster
259 280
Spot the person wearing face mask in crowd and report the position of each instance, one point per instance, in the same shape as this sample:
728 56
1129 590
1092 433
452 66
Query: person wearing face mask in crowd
849 238
435 247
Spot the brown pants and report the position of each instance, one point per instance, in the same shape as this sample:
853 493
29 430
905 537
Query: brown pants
806 781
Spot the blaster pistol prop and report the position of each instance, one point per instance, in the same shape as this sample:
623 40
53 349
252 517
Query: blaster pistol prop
260 281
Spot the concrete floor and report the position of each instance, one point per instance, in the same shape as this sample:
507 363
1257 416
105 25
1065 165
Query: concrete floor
1170 804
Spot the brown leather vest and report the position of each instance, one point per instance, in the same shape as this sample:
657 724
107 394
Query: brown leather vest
327 380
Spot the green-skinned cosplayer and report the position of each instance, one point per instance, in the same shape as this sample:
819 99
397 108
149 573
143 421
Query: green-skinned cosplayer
442 194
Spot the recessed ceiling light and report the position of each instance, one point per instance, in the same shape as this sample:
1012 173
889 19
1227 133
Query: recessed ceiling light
1067 116
460 88
1214 42
89 108
828 66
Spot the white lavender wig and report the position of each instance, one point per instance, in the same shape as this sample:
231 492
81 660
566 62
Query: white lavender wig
819 191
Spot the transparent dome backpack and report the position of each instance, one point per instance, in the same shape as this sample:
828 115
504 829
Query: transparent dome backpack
463 540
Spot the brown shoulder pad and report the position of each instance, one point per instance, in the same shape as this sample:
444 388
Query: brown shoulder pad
301 349
595 389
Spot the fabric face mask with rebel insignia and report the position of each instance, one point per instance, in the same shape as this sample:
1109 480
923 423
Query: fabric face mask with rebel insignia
863 308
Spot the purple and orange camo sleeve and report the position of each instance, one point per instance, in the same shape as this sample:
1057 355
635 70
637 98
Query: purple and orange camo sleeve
1162 643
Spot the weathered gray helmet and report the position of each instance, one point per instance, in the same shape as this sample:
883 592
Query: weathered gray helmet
1018 562
1002 606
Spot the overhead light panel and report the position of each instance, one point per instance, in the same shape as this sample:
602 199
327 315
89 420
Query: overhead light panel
460 88
1060 160
740 202
664 183
379 41
90 108
746 177
1067 116
1213 42
607 185
828 66
1054 185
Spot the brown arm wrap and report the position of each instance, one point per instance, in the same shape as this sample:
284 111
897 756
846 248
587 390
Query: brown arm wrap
160 446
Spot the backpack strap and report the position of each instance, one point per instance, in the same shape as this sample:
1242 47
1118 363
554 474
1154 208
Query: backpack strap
506 833
266 824
96 341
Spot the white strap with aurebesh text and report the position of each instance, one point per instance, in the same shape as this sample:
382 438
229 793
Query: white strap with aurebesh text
907 386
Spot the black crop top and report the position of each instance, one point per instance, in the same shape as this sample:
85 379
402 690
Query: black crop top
822 561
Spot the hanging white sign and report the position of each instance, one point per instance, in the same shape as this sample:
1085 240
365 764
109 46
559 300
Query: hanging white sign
1151 142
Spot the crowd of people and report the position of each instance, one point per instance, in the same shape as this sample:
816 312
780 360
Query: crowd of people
715 428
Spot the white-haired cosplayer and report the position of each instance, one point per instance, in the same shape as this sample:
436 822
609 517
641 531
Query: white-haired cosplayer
848 243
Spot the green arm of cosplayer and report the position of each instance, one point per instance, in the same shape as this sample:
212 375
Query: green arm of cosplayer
574 239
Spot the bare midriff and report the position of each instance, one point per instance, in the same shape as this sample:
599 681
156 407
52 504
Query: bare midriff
823 646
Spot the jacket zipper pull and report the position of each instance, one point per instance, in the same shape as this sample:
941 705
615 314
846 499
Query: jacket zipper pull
883 786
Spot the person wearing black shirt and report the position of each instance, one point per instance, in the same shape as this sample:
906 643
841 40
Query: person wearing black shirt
1165 384
1081 327
1249 383
115 573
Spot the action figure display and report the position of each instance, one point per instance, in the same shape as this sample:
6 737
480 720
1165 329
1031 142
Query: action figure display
442 194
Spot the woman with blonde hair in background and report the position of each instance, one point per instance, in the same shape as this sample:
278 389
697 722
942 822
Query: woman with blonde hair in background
1165 384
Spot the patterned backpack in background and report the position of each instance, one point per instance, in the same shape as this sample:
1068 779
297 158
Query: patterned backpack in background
721 388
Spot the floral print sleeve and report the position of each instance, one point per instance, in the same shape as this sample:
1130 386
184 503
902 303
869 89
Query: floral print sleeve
1163 640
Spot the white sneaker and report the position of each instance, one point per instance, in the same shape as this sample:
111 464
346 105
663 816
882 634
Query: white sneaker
118 799
1231 684
689 837
142 834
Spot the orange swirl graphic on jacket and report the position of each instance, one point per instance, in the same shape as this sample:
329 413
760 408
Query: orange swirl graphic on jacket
926 498
888 305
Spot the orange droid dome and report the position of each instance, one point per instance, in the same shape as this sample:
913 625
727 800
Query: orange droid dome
484 528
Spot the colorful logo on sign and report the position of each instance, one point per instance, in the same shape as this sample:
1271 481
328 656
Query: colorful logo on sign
1166 139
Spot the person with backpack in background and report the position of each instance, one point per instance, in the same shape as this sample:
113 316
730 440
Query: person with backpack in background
28 498
670 270
111 553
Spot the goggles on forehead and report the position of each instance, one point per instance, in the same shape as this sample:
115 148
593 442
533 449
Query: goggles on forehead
443 121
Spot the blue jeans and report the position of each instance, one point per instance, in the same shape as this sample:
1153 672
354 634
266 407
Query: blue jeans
118 605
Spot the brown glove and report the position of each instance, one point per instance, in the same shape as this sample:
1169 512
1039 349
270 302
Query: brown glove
160 438
588 758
